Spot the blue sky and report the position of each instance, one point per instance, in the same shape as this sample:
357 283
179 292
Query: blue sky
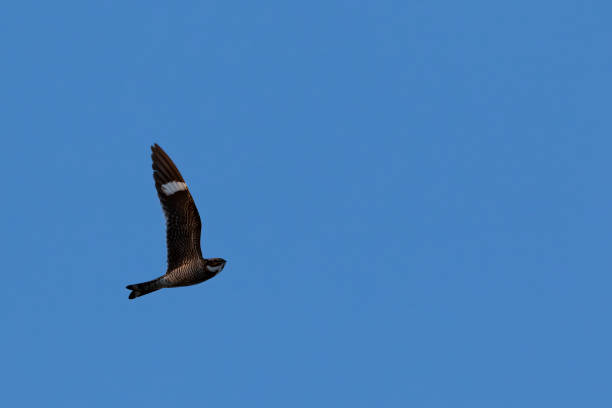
413 198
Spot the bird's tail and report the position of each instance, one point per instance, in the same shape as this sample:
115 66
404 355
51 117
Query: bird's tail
143 288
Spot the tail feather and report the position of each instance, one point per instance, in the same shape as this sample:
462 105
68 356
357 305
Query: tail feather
139 289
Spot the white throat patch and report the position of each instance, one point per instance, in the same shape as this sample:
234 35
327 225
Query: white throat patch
214 269
173 187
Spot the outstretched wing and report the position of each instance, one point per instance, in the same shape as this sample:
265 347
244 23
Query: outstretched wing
183 225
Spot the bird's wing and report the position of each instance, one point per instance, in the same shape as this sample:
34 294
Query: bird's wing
183 225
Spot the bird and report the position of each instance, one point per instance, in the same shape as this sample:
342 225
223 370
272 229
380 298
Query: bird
186 265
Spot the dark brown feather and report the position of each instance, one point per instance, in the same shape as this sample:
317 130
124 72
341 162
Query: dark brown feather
183 224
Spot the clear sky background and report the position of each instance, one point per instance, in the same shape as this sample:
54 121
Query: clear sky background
413 198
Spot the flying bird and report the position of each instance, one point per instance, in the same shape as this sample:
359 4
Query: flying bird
186 266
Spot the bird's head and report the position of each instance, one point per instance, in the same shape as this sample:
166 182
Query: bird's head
215 265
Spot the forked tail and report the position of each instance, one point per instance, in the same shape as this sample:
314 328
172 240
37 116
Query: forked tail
143 288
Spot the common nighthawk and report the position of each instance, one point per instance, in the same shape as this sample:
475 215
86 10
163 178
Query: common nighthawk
186 266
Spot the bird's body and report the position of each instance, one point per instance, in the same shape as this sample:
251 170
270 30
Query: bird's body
186 266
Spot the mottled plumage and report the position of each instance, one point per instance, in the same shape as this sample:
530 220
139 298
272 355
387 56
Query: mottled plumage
186 266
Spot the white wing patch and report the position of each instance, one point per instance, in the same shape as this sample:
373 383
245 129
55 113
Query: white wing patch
173 187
